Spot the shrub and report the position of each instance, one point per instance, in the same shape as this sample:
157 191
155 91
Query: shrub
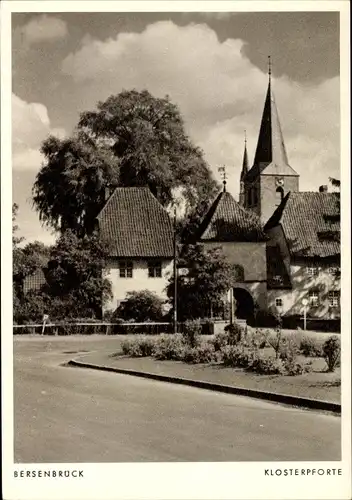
192 329
140 307
219 341
288 350
267 366
234 332
310 347
236 357
138 347
200 354
169 347
257 339
292 367
275 341
331 352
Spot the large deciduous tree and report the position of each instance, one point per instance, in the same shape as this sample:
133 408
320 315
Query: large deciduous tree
131 139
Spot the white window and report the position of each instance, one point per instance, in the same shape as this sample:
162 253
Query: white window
334 299
278 302
334 271
279 196
154 269
313 271
126 268
313 298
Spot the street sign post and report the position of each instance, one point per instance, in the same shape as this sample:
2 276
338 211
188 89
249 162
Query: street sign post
304 303
45 319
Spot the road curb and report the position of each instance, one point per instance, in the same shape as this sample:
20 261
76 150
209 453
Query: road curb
314 404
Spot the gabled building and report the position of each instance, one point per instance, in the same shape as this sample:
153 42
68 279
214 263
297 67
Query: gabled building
240 235
140 232
304 255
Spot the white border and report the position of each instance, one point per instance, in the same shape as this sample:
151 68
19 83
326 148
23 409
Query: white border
176 481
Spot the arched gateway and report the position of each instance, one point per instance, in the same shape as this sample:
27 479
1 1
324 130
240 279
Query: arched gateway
244 304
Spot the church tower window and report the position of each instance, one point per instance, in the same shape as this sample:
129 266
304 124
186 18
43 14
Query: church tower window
279 196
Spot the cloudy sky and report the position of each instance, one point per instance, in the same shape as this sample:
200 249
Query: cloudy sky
212 65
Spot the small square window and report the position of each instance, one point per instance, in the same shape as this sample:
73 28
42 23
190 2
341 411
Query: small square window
334 299
312 271
278 302
126 269
313 298
154 269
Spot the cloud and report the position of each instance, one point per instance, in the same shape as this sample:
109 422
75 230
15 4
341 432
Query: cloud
220 93
30 126
42 28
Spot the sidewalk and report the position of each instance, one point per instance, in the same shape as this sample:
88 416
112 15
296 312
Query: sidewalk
306 390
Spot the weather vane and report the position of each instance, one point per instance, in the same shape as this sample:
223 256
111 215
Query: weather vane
222 172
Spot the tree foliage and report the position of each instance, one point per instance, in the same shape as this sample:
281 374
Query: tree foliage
207 278
75 282
131 139
75 286
141 306
27 259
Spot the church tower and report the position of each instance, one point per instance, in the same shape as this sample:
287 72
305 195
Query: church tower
271 177
244 172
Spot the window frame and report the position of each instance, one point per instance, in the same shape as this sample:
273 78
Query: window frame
332 296
312 271
278 302
126 269
156 267
313 297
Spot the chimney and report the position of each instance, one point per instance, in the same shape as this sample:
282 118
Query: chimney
323 189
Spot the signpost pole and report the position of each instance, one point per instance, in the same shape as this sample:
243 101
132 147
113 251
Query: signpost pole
175 275
304 302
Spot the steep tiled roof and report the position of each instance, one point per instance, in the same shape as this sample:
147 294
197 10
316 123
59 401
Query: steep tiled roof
136 224
226 220
270 156
310 222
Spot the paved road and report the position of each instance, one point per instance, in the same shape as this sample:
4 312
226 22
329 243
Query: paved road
66 414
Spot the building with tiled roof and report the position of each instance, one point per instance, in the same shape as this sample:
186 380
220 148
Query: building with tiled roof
285 241
240 235
304 232
226 220
139 233
303 228
310 222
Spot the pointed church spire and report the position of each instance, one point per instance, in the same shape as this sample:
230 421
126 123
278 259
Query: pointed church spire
244 172
271 147
245 159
